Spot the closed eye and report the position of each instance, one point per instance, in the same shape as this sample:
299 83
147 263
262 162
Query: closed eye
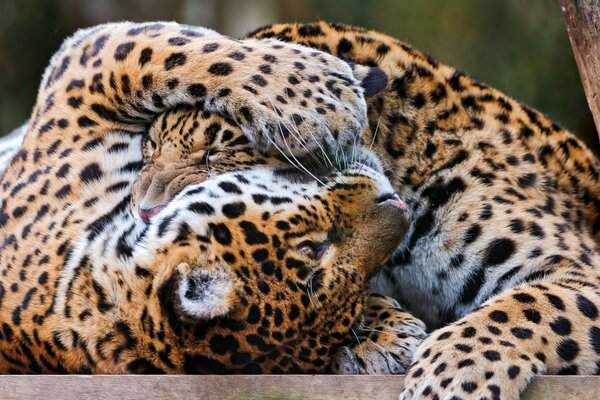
312 250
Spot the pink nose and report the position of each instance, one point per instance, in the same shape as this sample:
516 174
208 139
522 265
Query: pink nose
146 214
398 204
394 201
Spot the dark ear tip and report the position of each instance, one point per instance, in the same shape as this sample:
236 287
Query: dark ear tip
374 82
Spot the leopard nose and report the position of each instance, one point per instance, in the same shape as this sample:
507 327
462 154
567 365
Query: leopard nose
392 199
146 214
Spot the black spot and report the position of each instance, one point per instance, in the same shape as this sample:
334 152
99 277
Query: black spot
221 233
516 225
561 326
263 286
85 122
123 50
253 235
174 60
260 255
178 41
253 314
460 156
201 208
265 68
499 316
210 47
234 210
43 278
146 81
473 286
145 56
220 69
469 387
197 90
246 113
270 58
513 371
199 364
91 172
172 83
237 55
524 298
223 344
595 338
555 301
259 80
230 187
586 307
75 84
63 171
63 191
440 368
527 180
19 211
486 213
294 312
498 251
492 355
259 343
344 46
292 80
310 30
567 349
375 81
472 234
532 315
522 333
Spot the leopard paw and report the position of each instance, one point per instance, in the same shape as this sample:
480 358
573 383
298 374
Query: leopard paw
385 340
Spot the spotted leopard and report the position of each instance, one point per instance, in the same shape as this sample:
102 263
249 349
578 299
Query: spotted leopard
501 261
502 257
248 271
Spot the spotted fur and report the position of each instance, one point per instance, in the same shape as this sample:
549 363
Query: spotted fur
502 256
254 270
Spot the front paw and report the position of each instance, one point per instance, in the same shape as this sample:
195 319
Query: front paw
297 100
464 362
384 342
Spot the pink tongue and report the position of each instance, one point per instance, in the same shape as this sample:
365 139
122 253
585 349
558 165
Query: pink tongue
146 214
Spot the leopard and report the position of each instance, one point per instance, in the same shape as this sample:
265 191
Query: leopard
501 260
251 270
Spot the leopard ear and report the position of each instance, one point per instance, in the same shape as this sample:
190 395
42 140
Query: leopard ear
199 293
372 79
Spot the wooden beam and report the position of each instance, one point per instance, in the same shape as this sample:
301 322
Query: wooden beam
148 387
582 18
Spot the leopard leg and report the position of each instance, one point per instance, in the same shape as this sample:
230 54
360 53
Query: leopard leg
385 340
551 326
120 76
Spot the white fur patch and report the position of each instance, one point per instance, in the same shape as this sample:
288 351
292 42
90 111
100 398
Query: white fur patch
206 293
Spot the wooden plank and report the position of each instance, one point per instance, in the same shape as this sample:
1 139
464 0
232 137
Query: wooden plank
146 387
582 18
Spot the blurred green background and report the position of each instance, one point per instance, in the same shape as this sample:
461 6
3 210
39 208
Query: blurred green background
520 47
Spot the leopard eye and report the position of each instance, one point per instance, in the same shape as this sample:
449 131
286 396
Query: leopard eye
311 249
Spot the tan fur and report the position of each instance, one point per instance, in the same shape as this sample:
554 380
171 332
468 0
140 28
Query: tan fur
86 288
